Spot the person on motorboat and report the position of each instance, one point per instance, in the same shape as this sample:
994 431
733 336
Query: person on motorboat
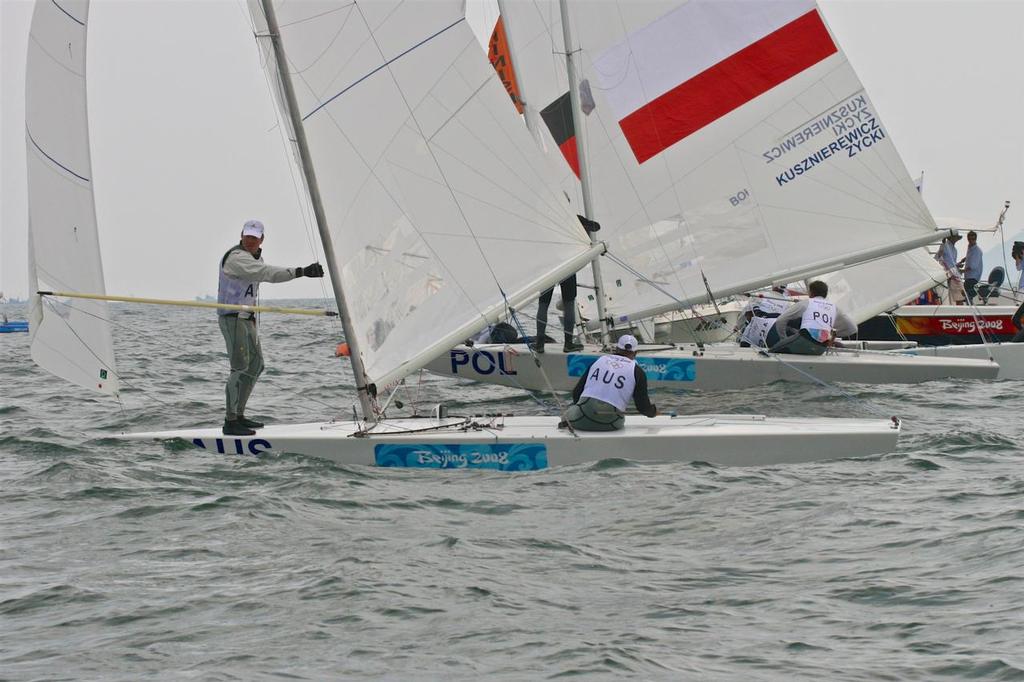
241 271
809 327
947 257
601 395
972 264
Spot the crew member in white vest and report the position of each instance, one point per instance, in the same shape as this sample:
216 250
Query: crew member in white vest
601 395
808 327
760 315
241 271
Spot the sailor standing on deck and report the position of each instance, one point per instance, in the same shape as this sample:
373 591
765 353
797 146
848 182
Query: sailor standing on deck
819 323
972 264
241 271
601 395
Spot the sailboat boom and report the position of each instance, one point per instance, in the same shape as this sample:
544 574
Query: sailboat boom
790 275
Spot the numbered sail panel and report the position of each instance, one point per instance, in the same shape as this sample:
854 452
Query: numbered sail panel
726 139
438 200
70 338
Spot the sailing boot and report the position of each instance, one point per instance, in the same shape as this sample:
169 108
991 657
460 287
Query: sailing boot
571 346
538 341
235 427
250 423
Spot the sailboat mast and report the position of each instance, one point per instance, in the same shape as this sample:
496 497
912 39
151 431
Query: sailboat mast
581 156
362 385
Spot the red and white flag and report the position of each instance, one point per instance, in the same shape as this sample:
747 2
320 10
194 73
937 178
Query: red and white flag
703 60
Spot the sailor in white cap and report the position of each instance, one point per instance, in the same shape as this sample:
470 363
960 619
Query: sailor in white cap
601 395
241 271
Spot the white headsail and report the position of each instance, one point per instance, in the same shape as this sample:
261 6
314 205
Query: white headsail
70 338
729 139
439 204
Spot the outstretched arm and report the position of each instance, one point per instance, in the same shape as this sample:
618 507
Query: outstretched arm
640 398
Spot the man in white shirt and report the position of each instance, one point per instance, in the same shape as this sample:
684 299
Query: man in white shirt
972 264
808 327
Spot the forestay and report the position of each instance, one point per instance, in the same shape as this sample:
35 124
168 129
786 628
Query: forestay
730 139
70 338
866 290
440 206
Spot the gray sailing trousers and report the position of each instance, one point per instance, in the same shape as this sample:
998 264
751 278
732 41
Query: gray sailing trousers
243 345
591 414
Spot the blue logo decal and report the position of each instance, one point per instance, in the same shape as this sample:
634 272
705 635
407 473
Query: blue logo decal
656 369
484 362
498 456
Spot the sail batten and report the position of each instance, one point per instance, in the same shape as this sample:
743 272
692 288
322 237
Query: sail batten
71 339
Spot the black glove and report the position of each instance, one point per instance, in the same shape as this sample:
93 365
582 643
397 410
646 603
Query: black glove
314 270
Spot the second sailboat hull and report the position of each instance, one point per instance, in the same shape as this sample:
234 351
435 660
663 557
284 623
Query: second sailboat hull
714 368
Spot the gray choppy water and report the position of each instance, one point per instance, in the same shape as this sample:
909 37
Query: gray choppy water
121 561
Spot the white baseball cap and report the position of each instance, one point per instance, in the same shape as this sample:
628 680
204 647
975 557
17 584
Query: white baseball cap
253 228
627 342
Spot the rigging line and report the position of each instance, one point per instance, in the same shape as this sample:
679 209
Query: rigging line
550 197
117 375
547 380
430 148
831 387
383 186
298 182
385 64
910 195
354 52
643 278
316 16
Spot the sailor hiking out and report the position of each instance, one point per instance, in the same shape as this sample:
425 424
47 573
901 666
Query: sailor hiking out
808 327
241 271
601 395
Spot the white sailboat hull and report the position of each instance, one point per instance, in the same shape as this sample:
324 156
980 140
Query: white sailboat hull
1009 356
531 443
714 368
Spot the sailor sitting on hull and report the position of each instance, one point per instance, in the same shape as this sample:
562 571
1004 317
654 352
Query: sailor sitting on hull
759 317
819 323
601 395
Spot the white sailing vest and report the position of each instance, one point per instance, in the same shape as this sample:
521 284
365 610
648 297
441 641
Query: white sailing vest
235 291
757 329
818 319
611 380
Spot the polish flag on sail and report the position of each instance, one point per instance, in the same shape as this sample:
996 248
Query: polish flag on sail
703 60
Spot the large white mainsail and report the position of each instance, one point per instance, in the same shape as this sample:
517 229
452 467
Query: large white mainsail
69 338
730 140
437 199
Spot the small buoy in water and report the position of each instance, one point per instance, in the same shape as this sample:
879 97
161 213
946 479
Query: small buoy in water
341 351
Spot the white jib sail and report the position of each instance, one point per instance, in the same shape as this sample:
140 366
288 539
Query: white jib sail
439 202
69 337
727 139
868 289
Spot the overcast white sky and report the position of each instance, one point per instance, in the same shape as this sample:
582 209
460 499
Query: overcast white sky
185 150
